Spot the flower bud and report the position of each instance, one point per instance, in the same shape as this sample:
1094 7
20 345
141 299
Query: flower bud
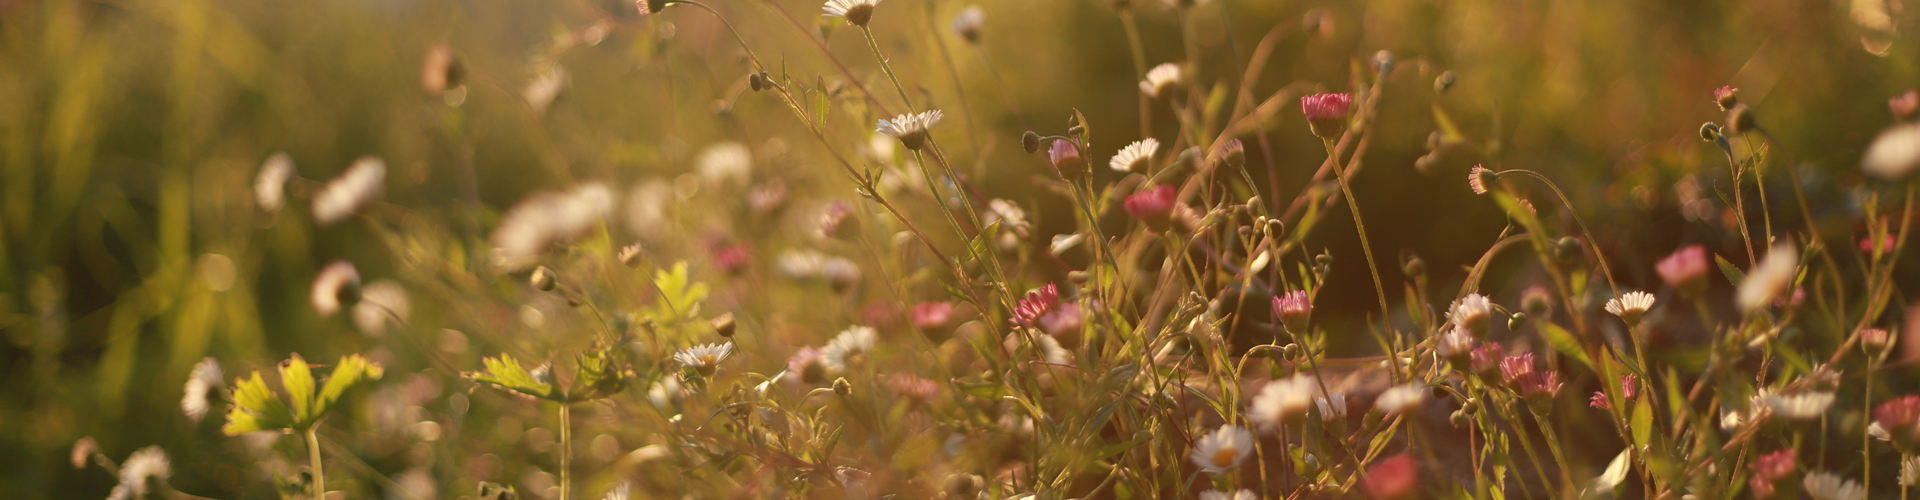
842 387
1414 266
724 325
1724 97
542 279
1444 81
1740 120
1030 141
631 255
754 82
1065 156
1567 249
1709 131
1234 153
1536 301
1326 113
1154 206
1516 321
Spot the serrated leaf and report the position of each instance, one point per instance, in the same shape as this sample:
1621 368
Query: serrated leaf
349 372
1733 273
506 373
297 378
256 408
1563 341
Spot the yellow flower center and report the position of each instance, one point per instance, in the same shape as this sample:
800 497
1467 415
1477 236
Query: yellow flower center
706 360
1224 457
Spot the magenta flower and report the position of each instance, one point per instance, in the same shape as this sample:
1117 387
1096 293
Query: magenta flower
1478 178
1775 466
1886 245
1154 206
1064 320
1517 368
838 222
730 258
1629 385
1326 113
1293 310
1486 360
1900 418
1038 303
1724 96
1685 269
1066 157
932 316
1906 106
1393 478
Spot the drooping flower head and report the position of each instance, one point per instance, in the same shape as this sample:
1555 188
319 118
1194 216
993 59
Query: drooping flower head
1685 269
1223 449
1478 178
1725 98
704 359
1630 306
1066 158
1471 314
1162 81
1282 401
337 286
1772 277
1326 113
1135 157
1037 303
856 12
1293 310
1154 206
910 128
353 189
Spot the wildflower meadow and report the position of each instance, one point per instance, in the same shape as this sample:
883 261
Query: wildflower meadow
959 249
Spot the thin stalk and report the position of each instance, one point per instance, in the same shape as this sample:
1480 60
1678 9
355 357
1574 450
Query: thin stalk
875 45
1139 70
1379 291
313 455
566 449
1553 446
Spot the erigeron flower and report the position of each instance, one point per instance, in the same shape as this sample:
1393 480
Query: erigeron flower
932 317
1804 405
1470 313
1333 407
725 163
381 302
1392 479
1293 310
912 388
1515 368
1223 449
1894 153
1725 98
1898 420
1039 302
1153 206
910 128
270 185
1282 401
353 189
1776 465
969 22
856 12
849 348
1630 306
808 366
1456 347
1401 398
841 273
1066 158
1135 157
1823 485
146 463
337 285
1478 178
545 218
1221 495
1766 281
1486 361
1685 269
204 379
1910 471
1629 386
1326 113
621 492
705 358
1162 80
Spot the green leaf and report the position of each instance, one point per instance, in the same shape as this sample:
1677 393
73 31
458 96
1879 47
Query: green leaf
1642 422
1564 342
256 408
350 371
297 377
506 373
1733 273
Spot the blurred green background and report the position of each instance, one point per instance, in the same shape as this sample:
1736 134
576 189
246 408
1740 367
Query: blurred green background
131 130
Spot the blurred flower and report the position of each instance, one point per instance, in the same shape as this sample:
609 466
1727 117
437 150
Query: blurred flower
1050 350
1906 106
1037 303
1685 269
1282 401
1629 385
1630 306
1823 485
1775 466
1516 368
440 70
416 482
704 359
1162 80
1153 206
1394 478
1066 158
1478 178
1899 420
849 348
1766 281
270 186
1233 152
646 209
82 450
912 388
1401 398
841 274
1725 98
767 197
1222 449
1135 157
1536 301
1293 310
1762 488
204 379
837 221
856 12
666 393
1804 405
800 264
932 317
380 302
1063 242
1457 347
1332 408
621 492
1326 113
1894 153
1885 247
910 128
1875 339
725 163
1470 314
1008 214
1183 4
534 224
808 366
1910 471
337 284
544 87
1486 361
345 194
731 258
1063 320
1221 495
146 463
968 24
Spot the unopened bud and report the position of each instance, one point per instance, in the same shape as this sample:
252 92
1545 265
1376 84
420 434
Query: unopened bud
631 255
542 279
1567 249
1444 81
1709 131
723 325
1740 120
1461 418
754 82
842 387
1516 321
1030 141
1414 266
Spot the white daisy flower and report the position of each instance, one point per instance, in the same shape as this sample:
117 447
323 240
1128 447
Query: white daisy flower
339 280
969 23
1470 313
1281 401
621 492
1731 420
857 12
725 163
205 378
1766 281
1135 157
1161 80
146 463
1222 449
1806 405
382 302
1910 471
545 218
1221 495
1823 485
1454 343
270 186
345 194
1332 407
849 347
1875 431
544 88
1894 153
1401 398
910 128
1629 306
704 358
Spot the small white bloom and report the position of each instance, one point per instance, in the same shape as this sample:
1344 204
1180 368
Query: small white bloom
1630 306
545 218
910 128
1161 80
1222 449
1455 342
1806 405
855 11
969 23
853 343
666 393
206 376
337 276
1910 471
345 194
1875 431
1470 313
1221 495
725 163
1008 214
1823 485
704 358
270 186
146 463
1282 400
799 265
1774 274
540 92
381 302
1401 398
621 492
1731 420
1894 153
1135 157
1332 407
1063 242
1051 351
647 207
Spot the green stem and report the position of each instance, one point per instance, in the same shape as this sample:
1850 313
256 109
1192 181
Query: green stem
313 455
875 45
566 449
1553 446
1379 291
1139 70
